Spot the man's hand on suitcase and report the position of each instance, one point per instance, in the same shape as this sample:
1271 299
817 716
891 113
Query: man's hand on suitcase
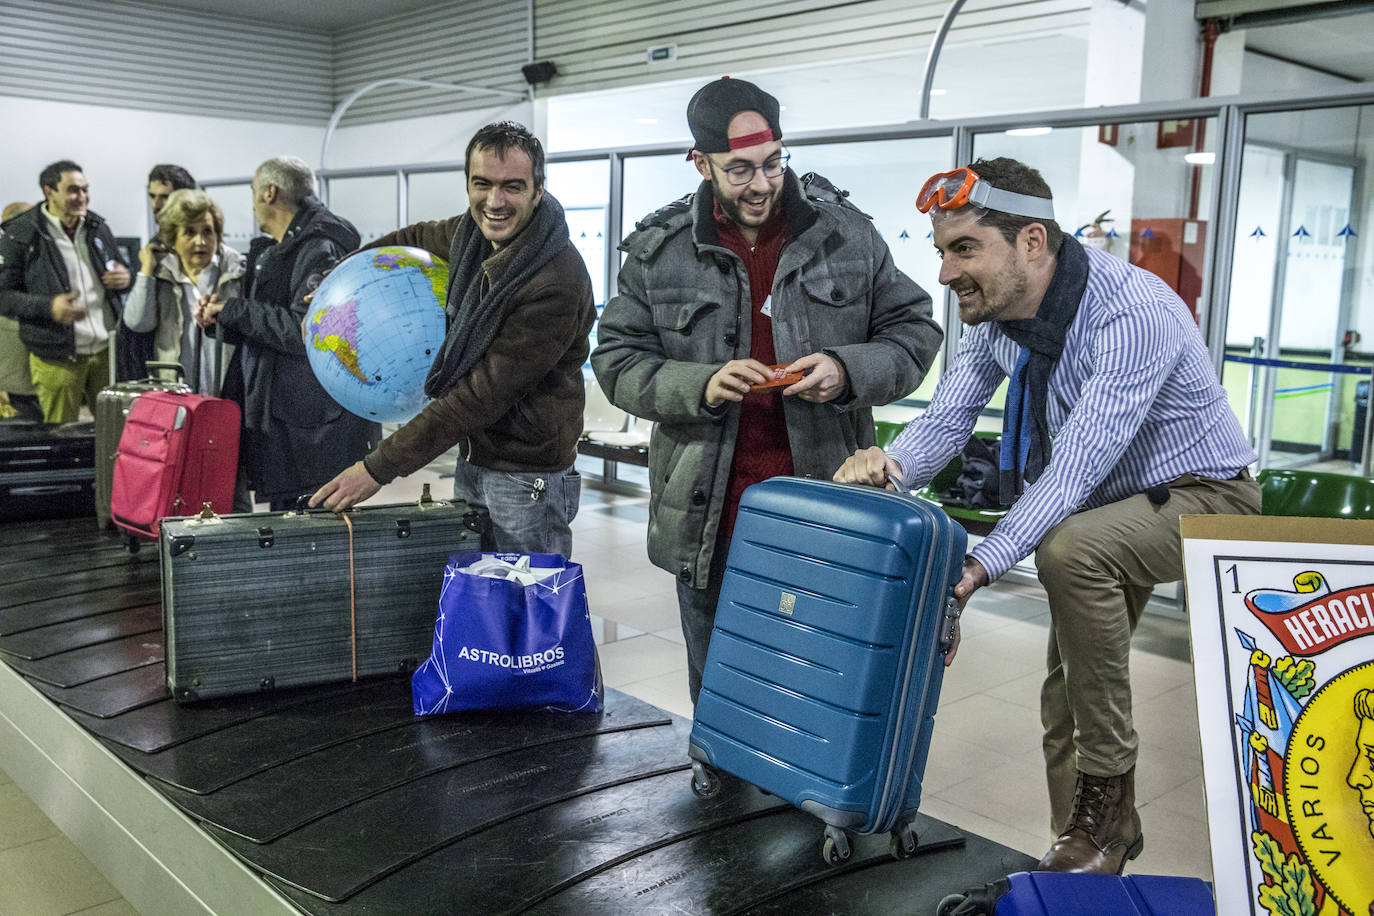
974 578
870 466
353 485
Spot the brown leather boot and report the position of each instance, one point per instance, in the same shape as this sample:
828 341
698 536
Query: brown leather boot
1103 831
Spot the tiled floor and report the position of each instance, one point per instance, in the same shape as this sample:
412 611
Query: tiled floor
985 772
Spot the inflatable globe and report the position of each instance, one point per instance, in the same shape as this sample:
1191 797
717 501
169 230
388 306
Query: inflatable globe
373 329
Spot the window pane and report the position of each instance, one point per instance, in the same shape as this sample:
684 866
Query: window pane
368 203
1301 288
1126 189
236 201
652 182
581 187
435 196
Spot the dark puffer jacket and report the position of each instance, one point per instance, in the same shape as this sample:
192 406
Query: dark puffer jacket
682 312
32 273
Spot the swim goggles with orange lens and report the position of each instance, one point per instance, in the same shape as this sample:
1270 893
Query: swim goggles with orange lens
952 190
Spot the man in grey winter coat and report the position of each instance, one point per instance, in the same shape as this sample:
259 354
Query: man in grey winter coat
755 277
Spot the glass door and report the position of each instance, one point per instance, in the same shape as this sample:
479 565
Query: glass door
1300 304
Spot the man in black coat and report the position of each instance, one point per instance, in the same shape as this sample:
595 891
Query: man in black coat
62 277
295 436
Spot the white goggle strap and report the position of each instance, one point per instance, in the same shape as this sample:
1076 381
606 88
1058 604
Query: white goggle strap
989 198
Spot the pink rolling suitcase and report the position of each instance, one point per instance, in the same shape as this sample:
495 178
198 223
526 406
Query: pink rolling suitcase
178 451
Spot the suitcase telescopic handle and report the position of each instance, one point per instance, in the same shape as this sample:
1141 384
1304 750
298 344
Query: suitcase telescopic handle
153 365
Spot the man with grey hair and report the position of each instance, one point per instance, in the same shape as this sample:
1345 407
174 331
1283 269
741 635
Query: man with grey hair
295 436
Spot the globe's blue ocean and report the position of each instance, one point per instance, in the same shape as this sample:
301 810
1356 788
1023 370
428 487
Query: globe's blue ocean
373 329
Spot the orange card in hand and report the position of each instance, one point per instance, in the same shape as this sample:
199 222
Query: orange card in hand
781 378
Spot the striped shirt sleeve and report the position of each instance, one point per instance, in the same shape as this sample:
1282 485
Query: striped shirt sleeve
928 443
1133 354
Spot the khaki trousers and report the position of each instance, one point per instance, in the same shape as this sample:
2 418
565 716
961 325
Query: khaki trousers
1099 568
63 384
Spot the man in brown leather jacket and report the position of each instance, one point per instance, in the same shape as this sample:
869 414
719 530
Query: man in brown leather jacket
507 384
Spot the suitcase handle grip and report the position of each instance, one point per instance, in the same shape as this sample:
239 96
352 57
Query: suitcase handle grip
302 507
155 365
949 621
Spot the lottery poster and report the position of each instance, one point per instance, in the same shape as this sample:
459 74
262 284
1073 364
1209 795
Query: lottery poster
1281 612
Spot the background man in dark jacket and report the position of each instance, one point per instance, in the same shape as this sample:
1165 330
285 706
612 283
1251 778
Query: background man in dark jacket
163 179
751 271
508 382
295 436
15 379
61 276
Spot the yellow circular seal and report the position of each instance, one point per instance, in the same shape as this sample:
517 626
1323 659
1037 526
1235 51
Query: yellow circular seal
1328 772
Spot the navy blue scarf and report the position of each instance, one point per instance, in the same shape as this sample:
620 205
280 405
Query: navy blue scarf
1025 428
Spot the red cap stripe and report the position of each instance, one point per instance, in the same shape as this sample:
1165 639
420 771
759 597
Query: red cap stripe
762 136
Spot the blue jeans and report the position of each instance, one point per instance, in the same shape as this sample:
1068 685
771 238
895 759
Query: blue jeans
531 512
697 608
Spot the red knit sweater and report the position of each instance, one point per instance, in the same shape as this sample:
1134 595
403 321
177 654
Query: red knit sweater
761 448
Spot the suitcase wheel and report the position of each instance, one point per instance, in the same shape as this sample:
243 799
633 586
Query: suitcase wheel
705 782
836 848
903 842
949 904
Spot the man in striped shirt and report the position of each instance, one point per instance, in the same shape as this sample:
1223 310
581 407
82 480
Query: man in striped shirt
1116 424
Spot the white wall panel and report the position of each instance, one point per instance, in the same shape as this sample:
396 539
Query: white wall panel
469 42
599 45
117 147
154 57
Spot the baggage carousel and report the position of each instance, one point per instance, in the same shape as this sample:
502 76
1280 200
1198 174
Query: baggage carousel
337 800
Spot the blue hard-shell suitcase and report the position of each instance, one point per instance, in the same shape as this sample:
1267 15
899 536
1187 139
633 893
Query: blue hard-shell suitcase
825 663
1042 893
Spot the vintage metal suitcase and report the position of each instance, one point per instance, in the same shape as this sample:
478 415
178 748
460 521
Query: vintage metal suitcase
826 659
47 470
272 600
1043 893
111 410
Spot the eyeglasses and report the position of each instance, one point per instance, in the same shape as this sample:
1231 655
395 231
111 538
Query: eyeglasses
952 190
743 173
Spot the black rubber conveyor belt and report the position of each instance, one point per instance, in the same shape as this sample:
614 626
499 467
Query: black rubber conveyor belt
346 803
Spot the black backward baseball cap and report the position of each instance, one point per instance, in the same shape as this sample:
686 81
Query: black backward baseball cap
715 104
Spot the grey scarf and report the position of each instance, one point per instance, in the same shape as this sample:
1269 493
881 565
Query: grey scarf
474 314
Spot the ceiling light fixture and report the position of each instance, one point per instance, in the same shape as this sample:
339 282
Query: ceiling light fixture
1201 158
1029 131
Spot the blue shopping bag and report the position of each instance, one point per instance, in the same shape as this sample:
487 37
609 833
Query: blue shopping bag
510 643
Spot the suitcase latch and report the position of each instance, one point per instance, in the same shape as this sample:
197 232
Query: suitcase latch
180 543
403 528
265 537
951 620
